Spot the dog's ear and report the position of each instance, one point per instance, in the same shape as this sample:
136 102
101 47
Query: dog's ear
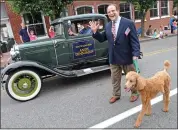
141 83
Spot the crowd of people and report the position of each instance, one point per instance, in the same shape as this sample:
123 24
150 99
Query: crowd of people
161 33
156 33
27 35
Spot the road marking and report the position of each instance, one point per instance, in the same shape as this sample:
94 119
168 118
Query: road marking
159 51
136 109
129 112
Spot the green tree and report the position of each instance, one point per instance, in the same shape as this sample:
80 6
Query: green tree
175 7
142 6
175 3
52 8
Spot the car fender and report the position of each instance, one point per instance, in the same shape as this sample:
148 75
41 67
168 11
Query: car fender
19 64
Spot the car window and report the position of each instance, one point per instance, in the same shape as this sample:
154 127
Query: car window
77 28
59 29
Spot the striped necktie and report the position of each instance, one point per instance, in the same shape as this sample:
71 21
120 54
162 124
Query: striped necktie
113 30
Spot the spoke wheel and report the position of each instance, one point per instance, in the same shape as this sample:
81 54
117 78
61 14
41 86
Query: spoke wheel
23 85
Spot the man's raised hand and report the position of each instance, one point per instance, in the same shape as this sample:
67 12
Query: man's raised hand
94 26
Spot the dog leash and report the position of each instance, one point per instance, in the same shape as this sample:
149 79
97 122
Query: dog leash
135 62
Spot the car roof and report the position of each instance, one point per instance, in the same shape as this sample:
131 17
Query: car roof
81 16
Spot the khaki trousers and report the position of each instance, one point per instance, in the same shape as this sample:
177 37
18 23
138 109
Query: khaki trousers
116 75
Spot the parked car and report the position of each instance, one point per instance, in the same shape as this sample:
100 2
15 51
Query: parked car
64 55
6 45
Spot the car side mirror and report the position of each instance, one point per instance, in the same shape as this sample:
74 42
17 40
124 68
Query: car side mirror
69 23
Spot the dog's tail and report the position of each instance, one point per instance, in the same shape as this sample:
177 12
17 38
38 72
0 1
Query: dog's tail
167 65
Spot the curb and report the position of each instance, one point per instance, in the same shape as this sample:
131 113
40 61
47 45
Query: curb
150 39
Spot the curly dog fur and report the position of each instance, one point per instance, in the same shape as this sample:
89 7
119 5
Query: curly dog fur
149 88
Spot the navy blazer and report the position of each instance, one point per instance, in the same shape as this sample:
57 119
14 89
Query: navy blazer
125 46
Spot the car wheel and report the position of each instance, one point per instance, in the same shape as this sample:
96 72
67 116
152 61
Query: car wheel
23 85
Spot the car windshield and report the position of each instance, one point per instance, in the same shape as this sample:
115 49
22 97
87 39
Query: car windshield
59 29
81 27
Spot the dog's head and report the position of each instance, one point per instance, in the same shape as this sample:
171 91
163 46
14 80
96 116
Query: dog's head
134 81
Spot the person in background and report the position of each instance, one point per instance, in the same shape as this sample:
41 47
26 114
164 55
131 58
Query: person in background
174 26
155 34
24 35
171 24
33 37
86 29
149 31
175 23
161 31
51 32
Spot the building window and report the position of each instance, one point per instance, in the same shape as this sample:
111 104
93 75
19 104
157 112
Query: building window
102 9
154 10
34 22
125 10
164 8
84 10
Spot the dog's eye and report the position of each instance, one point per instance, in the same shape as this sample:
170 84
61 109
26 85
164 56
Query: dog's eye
130 80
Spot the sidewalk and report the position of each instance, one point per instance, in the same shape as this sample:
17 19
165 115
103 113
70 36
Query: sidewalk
4 59
6 56
149 38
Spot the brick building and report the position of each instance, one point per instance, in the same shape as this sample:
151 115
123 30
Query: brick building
158 15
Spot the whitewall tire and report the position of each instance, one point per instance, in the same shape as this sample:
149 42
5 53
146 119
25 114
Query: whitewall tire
23 85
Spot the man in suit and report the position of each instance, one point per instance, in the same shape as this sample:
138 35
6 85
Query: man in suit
124 47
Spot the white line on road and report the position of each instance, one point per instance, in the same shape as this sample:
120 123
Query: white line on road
129 112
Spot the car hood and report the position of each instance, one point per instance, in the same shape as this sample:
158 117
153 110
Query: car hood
38 42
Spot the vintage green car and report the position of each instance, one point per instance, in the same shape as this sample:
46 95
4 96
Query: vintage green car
71 53
64 55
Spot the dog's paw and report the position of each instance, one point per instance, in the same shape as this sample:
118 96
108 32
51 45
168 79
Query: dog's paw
165 110
136 125
162 91
148 114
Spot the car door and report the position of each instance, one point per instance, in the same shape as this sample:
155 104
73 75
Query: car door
61 47
85 48
82 48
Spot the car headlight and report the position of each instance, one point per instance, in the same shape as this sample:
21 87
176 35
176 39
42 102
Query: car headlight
14 52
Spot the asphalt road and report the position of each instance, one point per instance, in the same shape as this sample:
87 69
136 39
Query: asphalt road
83 102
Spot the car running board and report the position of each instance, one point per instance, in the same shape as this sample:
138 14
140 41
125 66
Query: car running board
91 70
81 72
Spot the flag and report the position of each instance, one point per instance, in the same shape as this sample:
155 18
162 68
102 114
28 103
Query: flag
127 31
